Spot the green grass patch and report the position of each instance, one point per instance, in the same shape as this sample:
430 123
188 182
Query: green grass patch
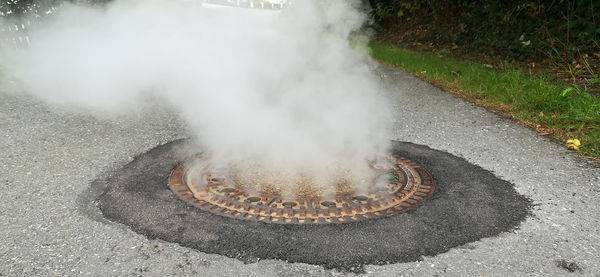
534 100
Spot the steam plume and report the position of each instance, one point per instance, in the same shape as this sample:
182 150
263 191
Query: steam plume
278 88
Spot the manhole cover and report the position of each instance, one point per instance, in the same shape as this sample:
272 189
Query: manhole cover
395 185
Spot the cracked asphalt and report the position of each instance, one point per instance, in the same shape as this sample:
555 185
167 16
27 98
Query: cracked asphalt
51 226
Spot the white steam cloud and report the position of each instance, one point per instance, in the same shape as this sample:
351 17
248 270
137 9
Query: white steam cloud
280 88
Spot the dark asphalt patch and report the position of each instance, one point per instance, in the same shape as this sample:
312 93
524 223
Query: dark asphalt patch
470 203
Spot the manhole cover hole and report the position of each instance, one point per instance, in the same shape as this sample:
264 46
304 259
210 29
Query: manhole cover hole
395 185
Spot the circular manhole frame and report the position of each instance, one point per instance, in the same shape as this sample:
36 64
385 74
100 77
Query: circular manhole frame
407 186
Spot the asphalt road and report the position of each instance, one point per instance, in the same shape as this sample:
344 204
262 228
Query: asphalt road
50 225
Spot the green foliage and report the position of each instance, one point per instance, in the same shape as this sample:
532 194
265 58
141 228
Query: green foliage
15 8
520 28
570 112
18 8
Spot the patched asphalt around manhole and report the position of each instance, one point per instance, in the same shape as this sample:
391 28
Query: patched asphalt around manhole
469 203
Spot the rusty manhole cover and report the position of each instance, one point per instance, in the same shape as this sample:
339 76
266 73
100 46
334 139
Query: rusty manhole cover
396 185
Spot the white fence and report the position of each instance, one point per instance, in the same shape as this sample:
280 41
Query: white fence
252 4
14 35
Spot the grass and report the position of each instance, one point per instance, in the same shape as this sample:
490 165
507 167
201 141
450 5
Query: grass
534 100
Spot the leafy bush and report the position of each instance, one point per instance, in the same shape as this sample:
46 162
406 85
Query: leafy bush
520 28
17 8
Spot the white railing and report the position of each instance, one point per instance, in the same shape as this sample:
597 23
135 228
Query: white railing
15 35
252 4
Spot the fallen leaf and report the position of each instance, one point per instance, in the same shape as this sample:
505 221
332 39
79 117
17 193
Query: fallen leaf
572 147
575 142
